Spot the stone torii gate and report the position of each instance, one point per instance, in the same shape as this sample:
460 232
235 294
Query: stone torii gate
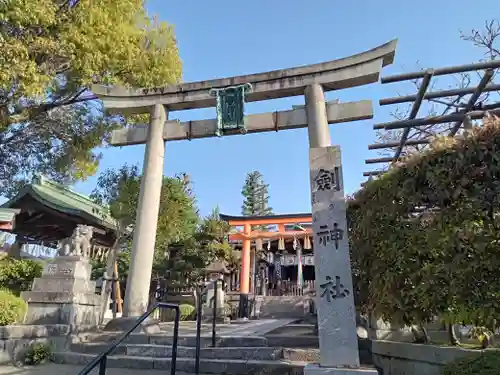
228 95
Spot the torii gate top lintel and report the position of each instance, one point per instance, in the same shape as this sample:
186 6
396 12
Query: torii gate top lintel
351 71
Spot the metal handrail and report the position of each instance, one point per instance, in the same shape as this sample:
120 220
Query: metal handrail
101 358
198 319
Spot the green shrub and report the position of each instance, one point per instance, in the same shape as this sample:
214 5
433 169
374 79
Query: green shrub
12 308
487 363
18 275
38 353
422 233
188 312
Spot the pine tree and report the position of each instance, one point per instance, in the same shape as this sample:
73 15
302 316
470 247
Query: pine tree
256 193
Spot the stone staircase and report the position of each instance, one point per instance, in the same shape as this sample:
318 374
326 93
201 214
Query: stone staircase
232 355
296 307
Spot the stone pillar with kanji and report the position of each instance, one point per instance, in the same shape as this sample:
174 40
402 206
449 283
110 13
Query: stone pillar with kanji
334 286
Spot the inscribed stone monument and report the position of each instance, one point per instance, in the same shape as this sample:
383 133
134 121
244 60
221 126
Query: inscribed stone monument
334 287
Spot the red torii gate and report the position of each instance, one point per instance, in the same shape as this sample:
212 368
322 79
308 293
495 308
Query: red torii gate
247 235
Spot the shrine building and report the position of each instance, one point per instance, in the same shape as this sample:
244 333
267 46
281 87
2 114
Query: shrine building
276 254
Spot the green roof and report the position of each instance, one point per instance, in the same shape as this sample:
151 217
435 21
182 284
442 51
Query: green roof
59 198
7 215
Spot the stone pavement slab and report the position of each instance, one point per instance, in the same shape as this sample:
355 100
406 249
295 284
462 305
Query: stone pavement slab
56 369
251 328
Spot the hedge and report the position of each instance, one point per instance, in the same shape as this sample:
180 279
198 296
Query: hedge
425 236
487 363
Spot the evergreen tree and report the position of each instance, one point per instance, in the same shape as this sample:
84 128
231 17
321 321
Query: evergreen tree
256 193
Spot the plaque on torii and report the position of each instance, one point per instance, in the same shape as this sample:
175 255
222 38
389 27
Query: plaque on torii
228 96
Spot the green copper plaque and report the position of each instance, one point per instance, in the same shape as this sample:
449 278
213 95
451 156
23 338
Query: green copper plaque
230 107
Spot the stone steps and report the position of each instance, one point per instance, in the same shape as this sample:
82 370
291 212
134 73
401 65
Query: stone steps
167 339
291 340
236 353
207 365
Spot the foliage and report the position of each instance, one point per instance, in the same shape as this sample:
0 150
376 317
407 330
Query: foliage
118 189
425 236
12 308
188 258
185 245
177 217
99 266
483 335
38 353
18 275
52 51
488 363
187 312
256 195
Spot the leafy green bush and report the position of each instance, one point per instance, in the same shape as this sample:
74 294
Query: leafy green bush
425 232
38 353
12 308
18 275
187 312
487 363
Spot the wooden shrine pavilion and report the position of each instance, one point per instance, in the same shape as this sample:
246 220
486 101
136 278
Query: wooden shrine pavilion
270 258
49 212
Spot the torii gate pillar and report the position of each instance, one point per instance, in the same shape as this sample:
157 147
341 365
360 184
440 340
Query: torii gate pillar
143 244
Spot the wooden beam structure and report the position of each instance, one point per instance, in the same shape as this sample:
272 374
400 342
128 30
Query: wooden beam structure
257 123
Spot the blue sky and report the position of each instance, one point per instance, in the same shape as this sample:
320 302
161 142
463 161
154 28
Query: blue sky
222 38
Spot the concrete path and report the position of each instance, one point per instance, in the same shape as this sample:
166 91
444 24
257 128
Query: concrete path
55 369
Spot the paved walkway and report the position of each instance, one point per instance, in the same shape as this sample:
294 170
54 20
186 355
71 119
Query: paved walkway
251 328
55 369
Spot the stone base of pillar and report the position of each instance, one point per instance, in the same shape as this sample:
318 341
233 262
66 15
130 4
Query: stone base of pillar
256 305
124 323
315 369
243 308
64 295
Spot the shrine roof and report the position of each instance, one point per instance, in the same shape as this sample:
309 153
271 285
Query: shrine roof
7 215
59 198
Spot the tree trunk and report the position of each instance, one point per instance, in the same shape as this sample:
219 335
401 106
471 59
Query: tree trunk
425 334
420 335
452 335
493 328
